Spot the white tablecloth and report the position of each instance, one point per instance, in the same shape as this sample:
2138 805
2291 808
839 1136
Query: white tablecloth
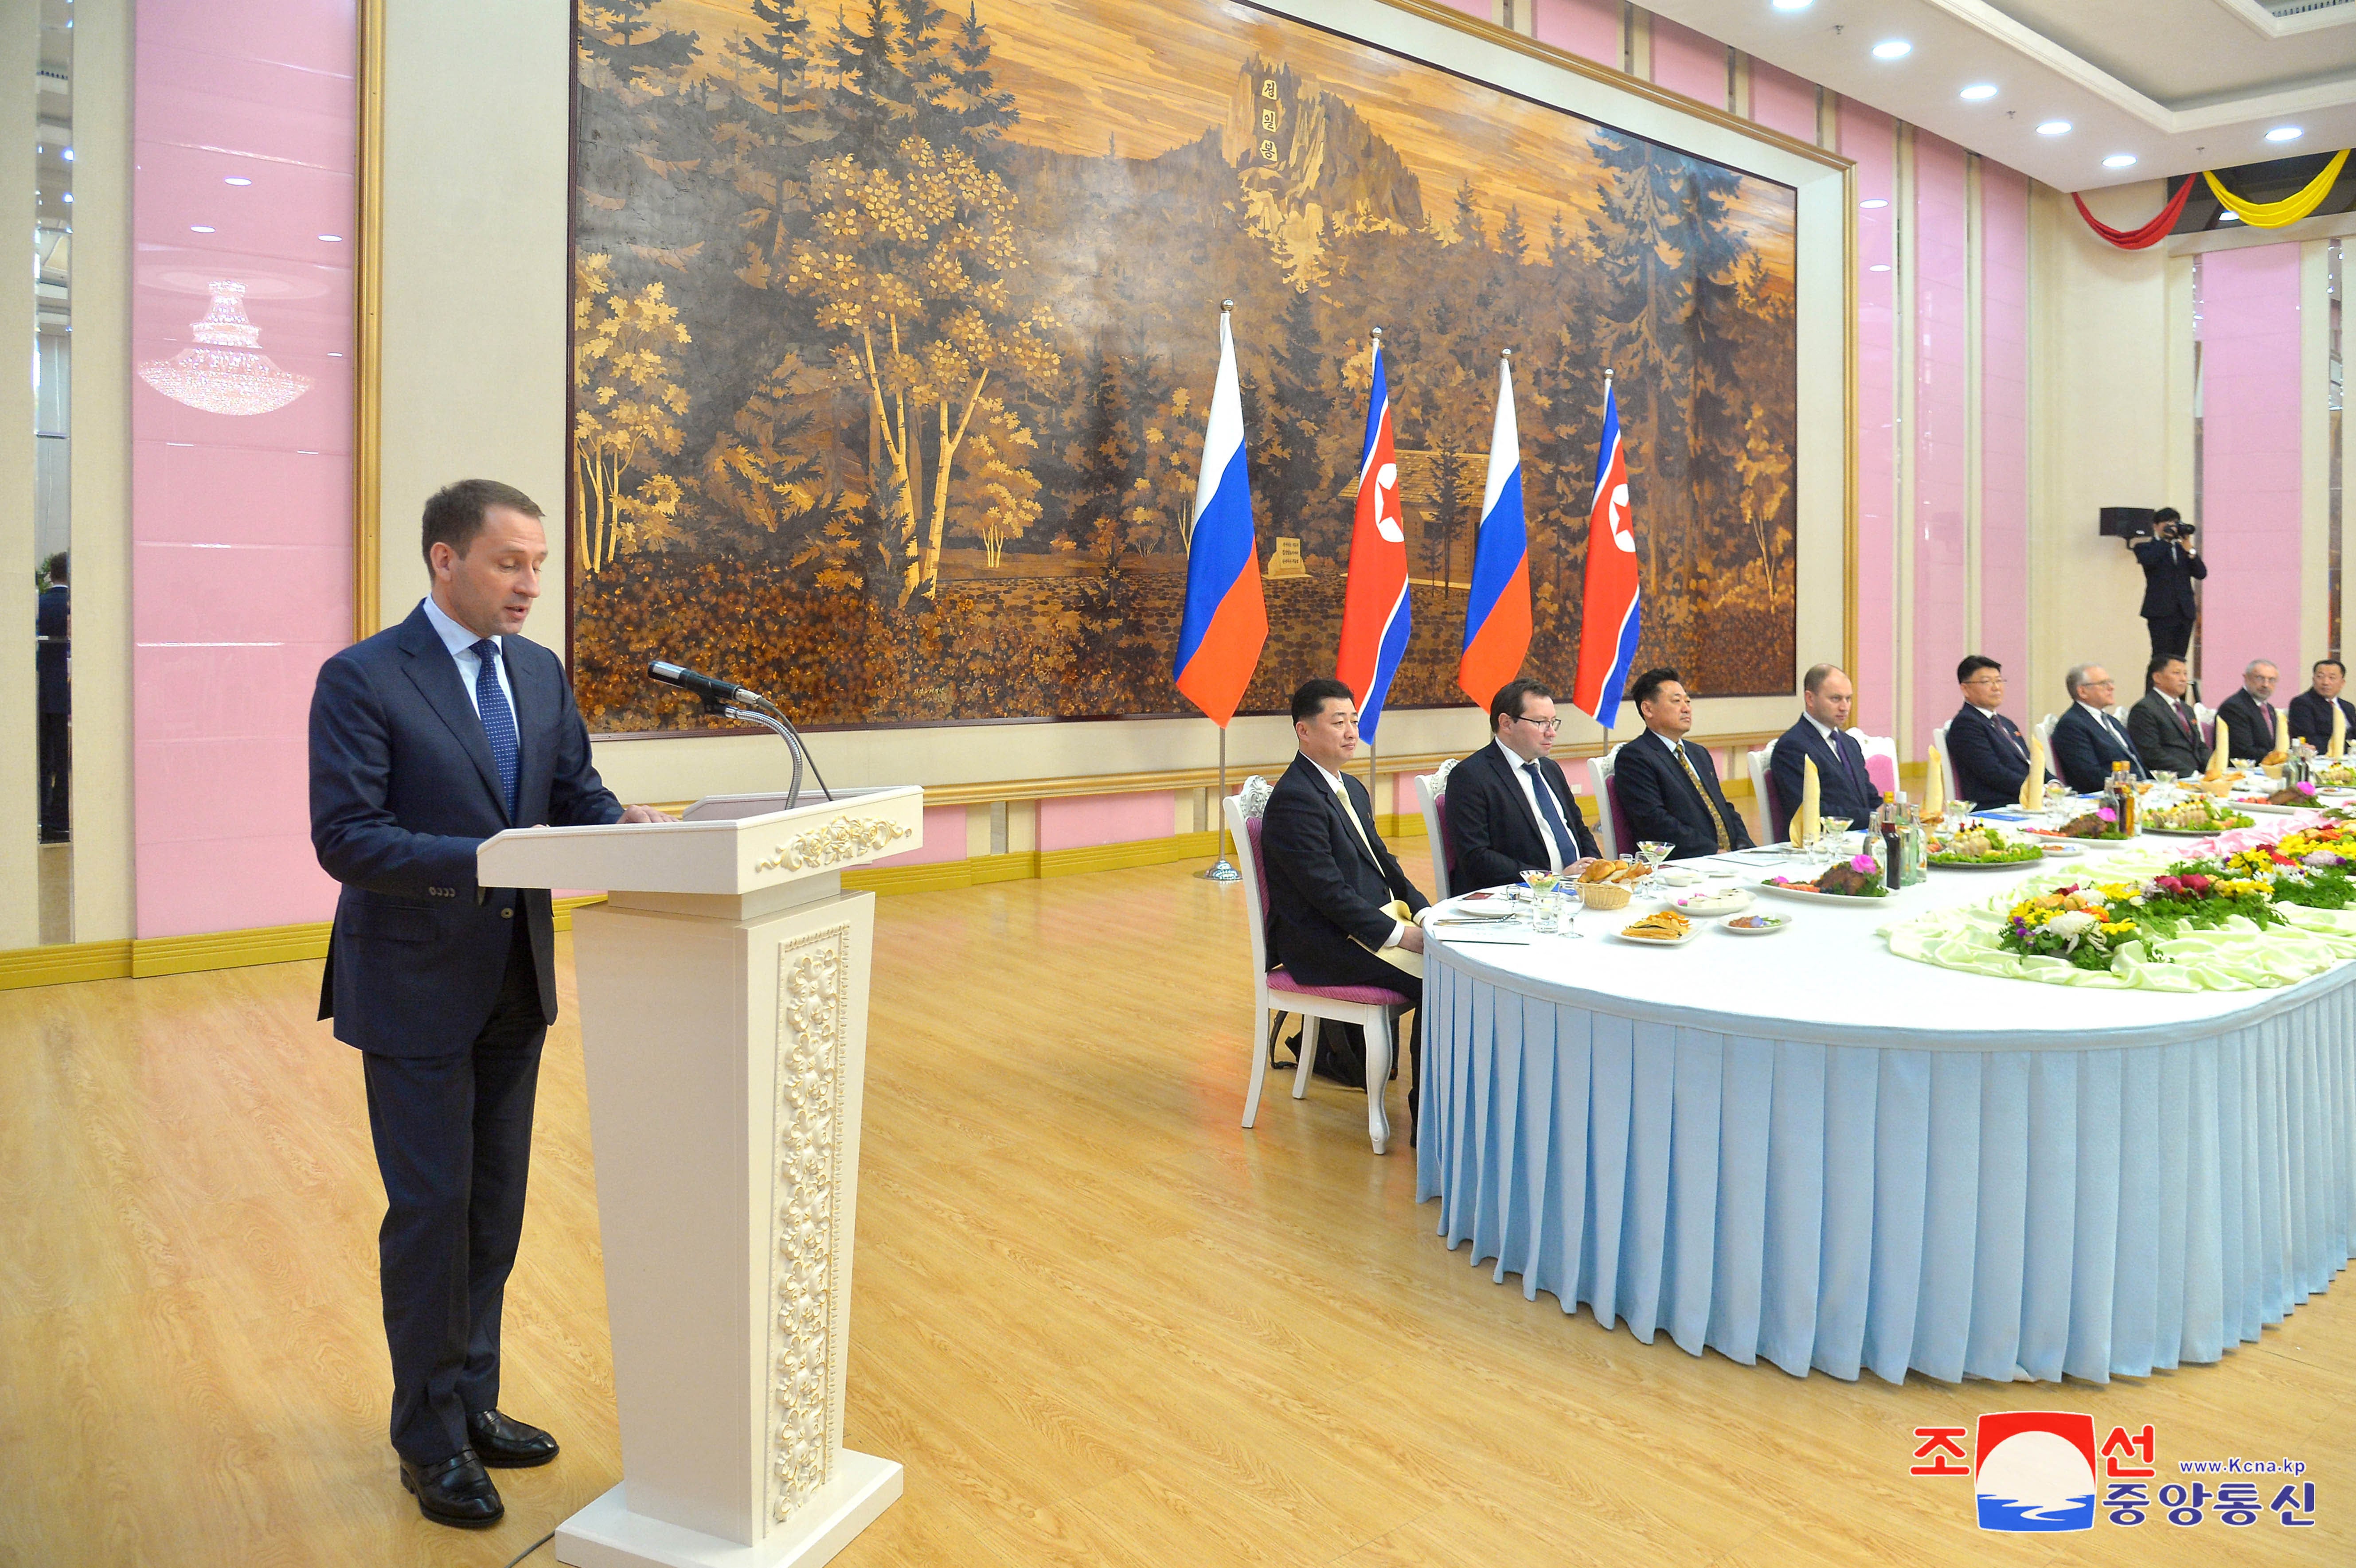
1803 1148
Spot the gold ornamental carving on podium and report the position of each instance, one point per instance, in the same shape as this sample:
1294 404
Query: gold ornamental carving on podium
813 1048
844 839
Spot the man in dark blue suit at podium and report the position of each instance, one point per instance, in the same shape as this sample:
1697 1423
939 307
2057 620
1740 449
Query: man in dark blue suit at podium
427 739
1844 790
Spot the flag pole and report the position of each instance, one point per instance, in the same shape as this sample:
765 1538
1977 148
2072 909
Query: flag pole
1221 869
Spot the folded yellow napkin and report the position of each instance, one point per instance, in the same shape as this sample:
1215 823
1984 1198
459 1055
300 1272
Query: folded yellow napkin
1934 788
2032 788
1399 957
1805 820
2281 753
2217 757
2339 730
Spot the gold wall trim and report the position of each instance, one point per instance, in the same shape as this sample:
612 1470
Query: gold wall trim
1852 572
367 590
145 957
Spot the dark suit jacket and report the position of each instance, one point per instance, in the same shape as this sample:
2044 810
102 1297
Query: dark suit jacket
402 790
1325 895
2084 751
1991 757
2168 574
1658 801
1844 789
2311 717
2160 736
2251 727
1493 836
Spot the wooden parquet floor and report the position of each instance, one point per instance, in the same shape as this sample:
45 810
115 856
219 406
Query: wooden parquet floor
1097 1322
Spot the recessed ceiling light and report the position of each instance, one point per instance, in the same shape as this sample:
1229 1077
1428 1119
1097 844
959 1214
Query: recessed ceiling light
200 228
235 179
68 196
1892 49
2119 161
337 239
2284 133
2055 128
1793 5
67 154
1979 90
1879 267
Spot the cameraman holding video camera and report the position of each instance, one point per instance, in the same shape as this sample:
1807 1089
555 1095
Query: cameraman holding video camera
2170 570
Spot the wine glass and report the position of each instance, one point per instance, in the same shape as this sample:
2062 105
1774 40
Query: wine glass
1652 852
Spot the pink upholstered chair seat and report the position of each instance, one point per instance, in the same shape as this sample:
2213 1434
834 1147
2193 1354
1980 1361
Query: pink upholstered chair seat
1369 996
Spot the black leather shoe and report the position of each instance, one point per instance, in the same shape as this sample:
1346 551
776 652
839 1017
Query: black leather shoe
454 1492
508 1444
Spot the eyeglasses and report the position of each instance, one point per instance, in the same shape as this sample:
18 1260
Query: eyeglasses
1984 679
1551 726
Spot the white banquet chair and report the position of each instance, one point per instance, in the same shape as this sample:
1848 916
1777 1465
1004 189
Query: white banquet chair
1374 1009
1762 762
1944 763
1883 748
1607 801
2045 735
2208 717
1431 794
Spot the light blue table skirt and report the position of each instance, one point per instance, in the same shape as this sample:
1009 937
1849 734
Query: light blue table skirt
1992 1212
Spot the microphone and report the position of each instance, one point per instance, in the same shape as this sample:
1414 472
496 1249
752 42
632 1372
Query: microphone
702 686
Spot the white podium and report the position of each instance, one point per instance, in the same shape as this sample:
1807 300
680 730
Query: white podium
723 1019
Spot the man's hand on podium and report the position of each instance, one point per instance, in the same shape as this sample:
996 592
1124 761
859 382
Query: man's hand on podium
647 814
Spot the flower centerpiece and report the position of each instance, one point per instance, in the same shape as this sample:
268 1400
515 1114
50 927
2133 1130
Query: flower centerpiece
1859 876
2200 814
2310 867
2088 923
1979 844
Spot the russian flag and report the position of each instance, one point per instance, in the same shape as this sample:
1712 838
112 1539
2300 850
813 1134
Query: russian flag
1497 610
1374 607
1609 615
1226 622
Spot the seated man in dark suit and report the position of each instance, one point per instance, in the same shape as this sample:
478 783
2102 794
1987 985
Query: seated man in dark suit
1508 807
1668 789
2165 734
2310 711
1845 791
2087 741
2249 714
1989 752
427 739
1335 890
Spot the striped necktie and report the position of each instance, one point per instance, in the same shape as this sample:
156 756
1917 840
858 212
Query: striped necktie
499 719
1724 843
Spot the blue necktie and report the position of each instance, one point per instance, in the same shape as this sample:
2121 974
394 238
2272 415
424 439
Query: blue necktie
499 719
1562 843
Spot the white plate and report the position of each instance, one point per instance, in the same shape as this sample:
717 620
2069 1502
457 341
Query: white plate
1655 942
1487 909
1981 865
1809 895
2059 851
2188 832
1714 901
1782 923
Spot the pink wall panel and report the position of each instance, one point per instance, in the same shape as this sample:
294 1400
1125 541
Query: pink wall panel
240 520
1089 819
2004 426
1782 101
1942 431
1589 28
943 839
1470 7
2250 470
1685 61
1870 137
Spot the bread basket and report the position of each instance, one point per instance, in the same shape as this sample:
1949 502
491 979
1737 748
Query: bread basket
1606 895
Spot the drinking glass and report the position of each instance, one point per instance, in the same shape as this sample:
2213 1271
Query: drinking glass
1652 852
1531 882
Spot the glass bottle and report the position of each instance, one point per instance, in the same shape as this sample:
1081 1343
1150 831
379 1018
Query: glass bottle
1885 823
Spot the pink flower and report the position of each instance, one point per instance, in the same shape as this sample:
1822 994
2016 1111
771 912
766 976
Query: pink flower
2196 882
2107 814
1862 863
2306 789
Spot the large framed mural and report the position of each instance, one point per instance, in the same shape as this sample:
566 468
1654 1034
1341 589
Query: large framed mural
893 326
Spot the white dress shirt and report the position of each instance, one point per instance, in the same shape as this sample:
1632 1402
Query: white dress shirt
1530 798
1333 782
461 643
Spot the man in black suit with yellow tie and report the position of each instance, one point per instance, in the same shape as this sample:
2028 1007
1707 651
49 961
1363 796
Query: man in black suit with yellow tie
1844 790
1508 808
2310 711
427 739
1667 788
1339 910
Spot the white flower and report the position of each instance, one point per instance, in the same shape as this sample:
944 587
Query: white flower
2070 925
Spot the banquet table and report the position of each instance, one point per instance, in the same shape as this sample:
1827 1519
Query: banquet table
1804 1148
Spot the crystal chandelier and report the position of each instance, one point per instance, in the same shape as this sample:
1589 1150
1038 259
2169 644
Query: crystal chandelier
224 371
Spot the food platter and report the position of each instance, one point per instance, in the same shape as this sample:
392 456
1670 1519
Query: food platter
1939 865
1657 941
1809 895
1713 901
1767 924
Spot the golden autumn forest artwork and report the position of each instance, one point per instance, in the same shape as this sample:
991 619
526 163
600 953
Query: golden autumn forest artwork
894 326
